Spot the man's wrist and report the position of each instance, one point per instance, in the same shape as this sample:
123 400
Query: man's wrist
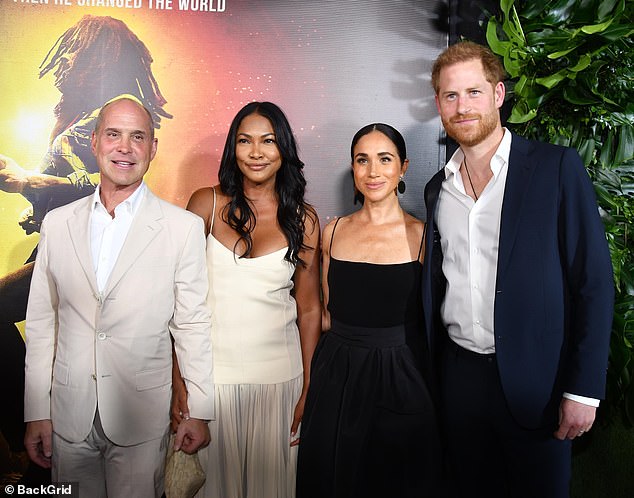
582 399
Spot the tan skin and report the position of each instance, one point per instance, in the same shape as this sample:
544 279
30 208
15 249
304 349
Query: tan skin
469 107
256 142
381 232
466 101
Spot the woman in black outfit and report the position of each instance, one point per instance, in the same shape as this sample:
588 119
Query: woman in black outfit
369 427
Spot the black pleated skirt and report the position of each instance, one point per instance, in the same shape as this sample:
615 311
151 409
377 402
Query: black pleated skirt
369 427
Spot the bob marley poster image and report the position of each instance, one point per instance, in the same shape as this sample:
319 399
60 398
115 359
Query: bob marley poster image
331 66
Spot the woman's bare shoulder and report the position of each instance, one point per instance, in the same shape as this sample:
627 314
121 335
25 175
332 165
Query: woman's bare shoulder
329 229
339 221
413 223
201 202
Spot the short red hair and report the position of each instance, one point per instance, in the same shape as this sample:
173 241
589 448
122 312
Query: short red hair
466 51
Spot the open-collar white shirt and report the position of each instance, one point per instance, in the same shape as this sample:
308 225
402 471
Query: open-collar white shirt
108 233
470 235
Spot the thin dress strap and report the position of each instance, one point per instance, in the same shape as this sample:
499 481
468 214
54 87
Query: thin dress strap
213 211
422 242
332 237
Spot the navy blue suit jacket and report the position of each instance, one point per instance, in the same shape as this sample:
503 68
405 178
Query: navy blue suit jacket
554 288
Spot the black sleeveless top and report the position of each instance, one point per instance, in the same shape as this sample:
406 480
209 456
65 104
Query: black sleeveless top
374 295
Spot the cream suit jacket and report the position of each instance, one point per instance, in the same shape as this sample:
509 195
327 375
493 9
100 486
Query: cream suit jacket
112 349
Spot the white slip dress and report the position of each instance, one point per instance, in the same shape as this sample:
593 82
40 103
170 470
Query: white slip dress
257 375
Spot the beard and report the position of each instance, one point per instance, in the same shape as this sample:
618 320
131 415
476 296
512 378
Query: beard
474 134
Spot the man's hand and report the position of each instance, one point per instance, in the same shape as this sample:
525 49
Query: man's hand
575 419
37 442
192 434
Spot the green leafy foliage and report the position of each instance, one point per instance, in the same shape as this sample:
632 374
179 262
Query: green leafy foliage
571 65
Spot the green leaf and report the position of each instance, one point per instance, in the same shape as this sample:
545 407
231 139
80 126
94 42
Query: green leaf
517 116
536 97
603 194
550 38
517 24
506 5
602 98
513 28
559 12
606 151
521 85
615 33
623 118
561 53
498 46
605 8
573 95
584 62
586 150
596 28
553 79
512 66
534 9
625 148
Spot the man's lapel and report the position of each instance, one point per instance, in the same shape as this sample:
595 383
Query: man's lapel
518 178
432 265
79 233
144 228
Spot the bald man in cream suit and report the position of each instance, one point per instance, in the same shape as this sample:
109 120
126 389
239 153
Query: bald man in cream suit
118 275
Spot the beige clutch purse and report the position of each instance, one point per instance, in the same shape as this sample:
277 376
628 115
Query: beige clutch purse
184 475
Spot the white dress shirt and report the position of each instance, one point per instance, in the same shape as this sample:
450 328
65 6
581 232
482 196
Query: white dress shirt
107 233
470 234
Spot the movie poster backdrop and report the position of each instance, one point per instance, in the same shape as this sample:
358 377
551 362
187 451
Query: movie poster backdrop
332 66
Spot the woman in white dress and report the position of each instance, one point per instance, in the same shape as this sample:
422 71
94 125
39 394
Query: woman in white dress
263 266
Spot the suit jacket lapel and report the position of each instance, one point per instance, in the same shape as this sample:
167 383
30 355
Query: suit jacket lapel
520 171
435 185
432 265
144 228
79 233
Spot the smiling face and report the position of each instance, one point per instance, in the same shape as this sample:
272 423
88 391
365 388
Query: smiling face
123 145
468 104
377 166
257 154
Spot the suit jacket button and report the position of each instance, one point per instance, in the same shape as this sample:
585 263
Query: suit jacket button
101 336
94 377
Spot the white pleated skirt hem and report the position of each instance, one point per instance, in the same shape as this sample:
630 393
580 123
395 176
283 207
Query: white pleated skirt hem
250 455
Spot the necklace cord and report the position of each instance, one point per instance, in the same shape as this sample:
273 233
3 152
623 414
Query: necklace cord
469 177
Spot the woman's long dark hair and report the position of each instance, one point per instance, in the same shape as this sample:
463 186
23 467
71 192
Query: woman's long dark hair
290 184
